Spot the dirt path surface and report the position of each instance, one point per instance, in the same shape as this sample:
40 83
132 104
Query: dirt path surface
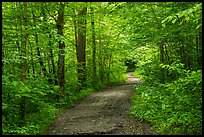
103 112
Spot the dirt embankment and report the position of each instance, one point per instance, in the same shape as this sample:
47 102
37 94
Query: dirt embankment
103 112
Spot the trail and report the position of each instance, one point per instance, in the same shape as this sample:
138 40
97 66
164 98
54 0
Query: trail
102 112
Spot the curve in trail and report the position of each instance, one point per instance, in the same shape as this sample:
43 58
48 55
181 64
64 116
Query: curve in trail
102 112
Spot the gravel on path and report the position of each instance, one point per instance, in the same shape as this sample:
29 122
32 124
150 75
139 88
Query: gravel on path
103 112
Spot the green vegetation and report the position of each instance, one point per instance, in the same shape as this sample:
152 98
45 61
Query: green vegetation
172 108
42 106
171 96
54 54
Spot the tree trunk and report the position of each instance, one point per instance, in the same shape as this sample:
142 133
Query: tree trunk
52 60
109 67
161 45
161 48
38 50
40 58
61 54
45 29
80 48
23 78
31 52
100 53
199 51
94 48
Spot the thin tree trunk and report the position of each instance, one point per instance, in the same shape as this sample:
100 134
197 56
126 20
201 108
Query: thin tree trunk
19 21
200 50
61 54
31 52
161 48
94 47
109 66
100 53
167 55
38 50
45 29
40 58
52 60
161 45
23 78
75 29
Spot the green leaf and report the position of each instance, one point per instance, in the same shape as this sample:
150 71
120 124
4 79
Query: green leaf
4 106
187 18
173 21
15 83
26 95
198 26
170 18
190 11
164 20
56 87
25 88
17 95
41 93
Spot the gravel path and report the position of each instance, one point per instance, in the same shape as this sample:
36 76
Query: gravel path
102 112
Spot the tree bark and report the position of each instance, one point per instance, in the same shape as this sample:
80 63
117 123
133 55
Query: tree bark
161 48
52 60
199 50
61 54
38 50
94 47
40 58
100 53
31 53
109 67
23 78
81 48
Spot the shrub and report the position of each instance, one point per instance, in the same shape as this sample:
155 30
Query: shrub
172 108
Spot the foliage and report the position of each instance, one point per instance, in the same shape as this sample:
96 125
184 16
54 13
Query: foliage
169 59
39 113
163 39
147 63
193 12
172 108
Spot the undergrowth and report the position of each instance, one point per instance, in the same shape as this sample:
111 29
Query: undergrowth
42 103
172 108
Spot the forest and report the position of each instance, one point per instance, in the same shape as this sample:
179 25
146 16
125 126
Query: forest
56 53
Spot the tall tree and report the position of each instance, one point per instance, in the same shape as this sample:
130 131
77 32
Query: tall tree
81 47
52 60
100 48
93 45
161 44
24 63
40 59
61 54
50 39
